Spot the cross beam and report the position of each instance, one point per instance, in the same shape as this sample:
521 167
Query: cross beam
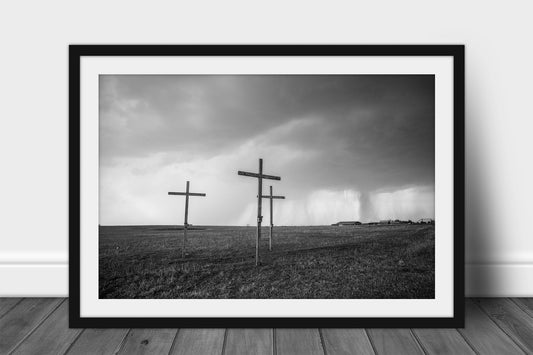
186 194
271 197
259 176
186 223
263 176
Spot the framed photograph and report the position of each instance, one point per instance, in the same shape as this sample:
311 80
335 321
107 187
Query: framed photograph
266 186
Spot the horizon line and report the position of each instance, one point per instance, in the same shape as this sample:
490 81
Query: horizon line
254 225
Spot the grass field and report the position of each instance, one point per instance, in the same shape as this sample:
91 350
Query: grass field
367 261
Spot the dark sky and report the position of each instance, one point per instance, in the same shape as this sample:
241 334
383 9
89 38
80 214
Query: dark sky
348 147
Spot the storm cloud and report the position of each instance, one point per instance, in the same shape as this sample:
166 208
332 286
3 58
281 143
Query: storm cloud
350 147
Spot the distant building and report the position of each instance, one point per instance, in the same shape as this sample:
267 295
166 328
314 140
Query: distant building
393 221
347 223
426 221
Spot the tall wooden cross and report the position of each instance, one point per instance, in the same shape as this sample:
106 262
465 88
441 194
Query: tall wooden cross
185 223
272 197
260 176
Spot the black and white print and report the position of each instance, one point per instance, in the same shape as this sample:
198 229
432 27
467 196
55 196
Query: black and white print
355 157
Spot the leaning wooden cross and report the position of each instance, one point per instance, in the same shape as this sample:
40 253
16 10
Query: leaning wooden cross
272 197
260 176
185 223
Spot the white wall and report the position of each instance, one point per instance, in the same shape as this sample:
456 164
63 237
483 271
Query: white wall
34 120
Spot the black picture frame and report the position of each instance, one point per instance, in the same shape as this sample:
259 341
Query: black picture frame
76 52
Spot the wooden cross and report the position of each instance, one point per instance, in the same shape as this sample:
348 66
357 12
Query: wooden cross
271 197
185 223
260 176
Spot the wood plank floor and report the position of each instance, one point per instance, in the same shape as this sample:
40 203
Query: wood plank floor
40 326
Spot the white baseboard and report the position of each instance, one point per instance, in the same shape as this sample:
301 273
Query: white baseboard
499 280
33 280
51 280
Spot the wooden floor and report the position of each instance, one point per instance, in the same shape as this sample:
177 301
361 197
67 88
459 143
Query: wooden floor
40 326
